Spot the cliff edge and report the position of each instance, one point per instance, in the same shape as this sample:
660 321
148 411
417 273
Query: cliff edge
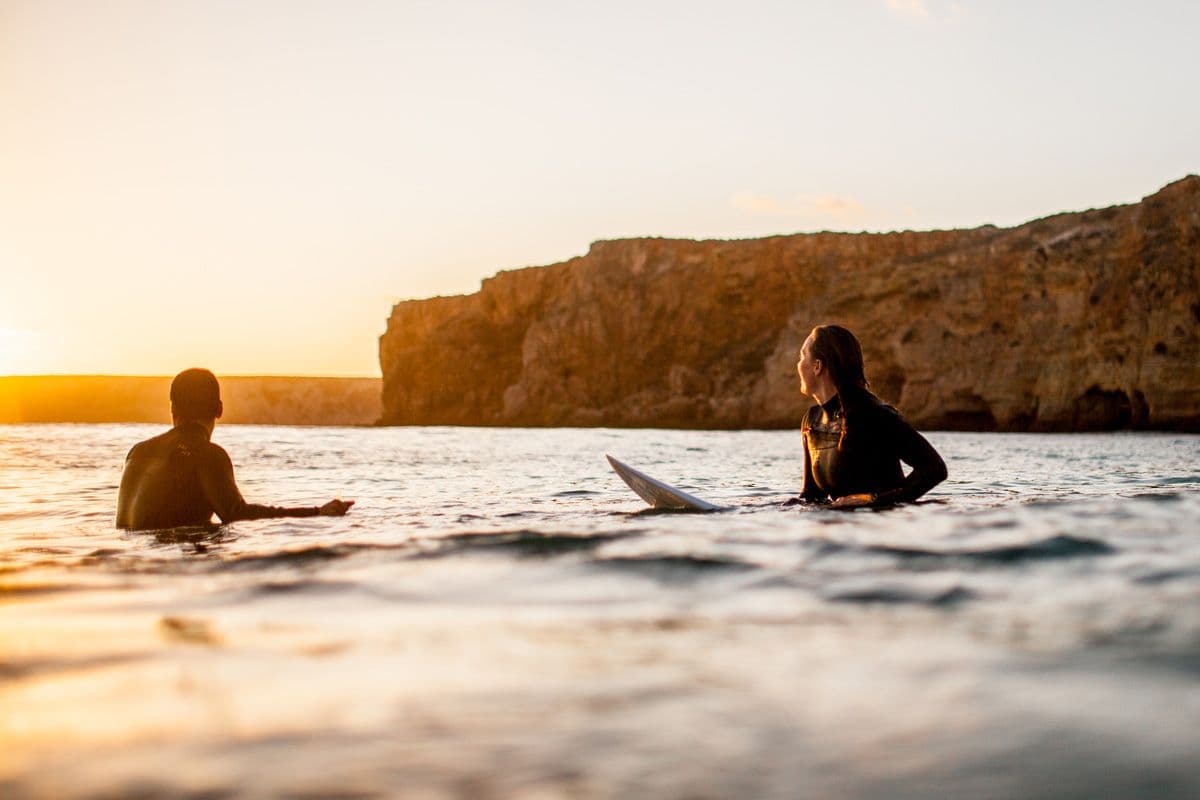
1079 321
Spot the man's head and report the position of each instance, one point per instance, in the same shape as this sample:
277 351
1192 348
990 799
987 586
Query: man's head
196 396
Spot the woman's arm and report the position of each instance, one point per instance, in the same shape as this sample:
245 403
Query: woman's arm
928 468
809 491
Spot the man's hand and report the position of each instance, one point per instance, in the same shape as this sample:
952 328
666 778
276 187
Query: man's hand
336 508
849 501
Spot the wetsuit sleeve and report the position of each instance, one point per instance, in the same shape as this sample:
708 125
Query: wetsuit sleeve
928 468
221 491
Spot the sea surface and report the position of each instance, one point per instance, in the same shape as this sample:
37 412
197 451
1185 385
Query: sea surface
499 616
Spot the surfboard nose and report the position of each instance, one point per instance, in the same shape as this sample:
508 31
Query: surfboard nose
655 492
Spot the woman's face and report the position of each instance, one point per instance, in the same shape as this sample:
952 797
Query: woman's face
807 367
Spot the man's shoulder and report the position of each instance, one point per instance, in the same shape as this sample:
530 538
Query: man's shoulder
197 449
205 448
179 440
151 446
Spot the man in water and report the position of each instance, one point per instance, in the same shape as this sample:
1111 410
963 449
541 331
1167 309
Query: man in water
181 478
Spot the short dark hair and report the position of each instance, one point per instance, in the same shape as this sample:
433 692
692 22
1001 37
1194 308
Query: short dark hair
196 393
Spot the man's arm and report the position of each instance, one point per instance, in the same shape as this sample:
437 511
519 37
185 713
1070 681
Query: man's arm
125 494
221 491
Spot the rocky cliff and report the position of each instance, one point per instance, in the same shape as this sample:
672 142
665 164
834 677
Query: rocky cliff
1080 321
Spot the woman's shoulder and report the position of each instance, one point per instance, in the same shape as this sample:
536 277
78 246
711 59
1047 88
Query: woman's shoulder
864 400
878 411
883 407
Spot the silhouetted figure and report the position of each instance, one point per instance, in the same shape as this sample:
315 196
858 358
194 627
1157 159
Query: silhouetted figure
182 478
853 441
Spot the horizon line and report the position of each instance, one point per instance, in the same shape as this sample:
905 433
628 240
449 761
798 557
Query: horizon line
341 376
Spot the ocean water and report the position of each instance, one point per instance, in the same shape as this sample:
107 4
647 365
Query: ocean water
499 616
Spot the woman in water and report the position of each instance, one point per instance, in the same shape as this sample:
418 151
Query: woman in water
853 441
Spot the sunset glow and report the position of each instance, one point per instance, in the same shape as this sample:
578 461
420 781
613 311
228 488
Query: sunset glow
252 186
19 351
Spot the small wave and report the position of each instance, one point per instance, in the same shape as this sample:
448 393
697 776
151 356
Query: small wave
301 585
1051 502
674 568
17 591
529 543
520 543
1165 575
826 547
899 595
45 551
292 558
773 581
17 669
12 569
105 552
1184 661
654 512
1054 547
574 493
1156 497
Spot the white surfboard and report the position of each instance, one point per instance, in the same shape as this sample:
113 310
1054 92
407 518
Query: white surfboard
657 493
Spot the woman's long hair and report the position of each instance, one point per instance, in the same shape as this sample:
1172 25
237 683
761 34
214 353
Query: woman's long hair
841 354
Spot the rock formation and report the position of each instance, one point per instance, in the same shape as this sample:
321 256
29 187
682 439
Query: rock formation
1079 321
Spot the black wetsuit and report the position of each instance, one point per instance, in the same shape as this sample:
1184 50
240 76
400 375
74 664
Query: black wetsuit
868 459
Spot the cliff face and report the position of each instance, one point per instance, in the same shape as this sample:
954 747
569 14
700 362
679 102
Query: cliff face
1080 321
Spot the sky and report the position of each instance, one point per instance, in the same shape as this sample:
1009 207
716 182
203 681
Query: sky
250 185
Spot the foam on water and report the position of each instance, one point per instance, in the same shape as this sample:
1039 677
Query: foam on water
499 615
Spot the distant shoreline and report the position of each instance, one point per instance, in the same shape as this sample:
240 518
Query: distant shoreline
251 400
278 400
